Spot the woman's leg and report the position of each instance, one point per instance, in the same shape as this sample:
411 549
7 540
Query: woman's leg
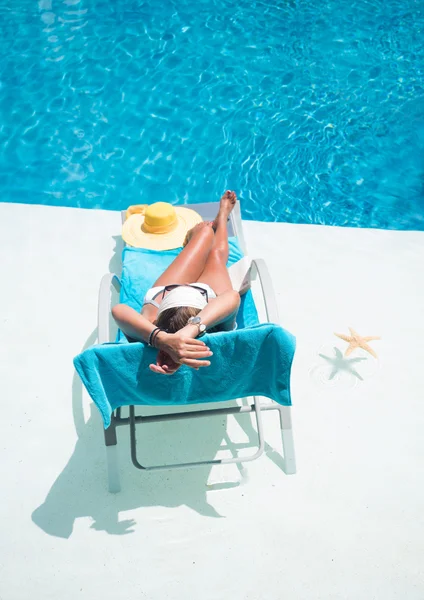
185 268
191 261
215 271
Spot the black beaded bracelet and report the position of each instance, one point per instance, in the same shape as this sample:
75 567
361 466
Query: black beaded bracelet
150 341
155 335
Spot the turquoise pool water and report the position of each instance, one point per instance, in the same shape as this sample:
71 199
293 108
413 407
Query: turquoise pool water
312 111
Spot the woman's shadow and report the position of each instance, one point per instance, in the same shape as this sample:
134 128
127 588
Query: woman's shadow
80 490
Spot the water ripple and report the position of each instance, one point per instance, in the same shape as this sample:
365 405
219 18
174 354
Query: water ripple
313 114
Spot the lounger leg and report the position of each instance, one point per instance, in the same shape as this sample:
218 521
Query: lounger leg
111 442
288 442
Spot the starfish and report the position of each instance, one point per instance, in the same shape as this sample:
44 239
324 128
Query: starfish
357 341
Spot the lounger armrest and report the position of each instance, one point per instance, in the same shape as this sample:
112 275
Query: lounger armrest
260 269
105 306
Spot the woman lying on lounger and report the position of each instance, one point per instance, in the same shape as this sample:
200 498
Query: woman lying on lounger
175 312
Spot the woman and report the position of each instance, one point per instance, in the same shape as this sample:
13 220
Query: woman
175 312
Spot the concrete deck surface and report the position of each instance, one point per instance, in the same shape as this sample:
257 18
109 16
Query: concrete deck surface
348 525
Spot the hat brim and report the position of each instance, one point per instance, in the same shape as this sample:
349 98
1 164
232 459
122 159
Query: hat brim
133 234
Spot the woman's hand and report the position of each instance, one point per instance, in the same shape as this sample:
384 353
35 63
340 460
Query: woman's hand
164 364
176 349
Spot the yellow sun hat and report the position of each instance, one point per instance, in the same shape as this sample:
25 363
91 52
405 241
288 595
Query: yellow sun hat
158 226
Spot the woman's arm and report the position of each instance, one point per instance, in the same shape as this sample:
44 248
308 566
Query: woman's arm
217 310
183 350
135 325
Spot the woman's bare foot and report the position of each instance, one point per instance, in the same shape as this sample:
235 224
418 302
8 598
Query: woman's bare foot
227 202
193 230
226 205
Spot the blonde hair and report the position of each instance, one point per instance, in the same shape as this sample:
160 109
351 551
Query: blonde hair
174 319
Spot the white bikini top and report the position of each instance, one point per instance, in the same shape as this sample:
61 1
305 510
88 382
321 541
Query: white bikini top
178 297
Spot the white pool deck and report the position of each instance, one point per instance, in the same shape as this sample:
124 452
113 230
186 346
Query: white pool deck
348 525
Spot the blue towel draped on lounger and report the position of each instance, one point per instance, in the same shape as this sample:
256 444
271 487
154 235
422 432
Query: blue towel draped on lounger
254 360
247 362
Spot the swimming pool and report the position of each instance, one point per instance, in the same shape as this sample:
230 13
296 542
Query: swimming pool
312 111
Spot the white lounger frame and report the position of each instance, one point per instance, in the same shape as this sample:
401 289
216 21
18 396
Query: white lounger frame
259 270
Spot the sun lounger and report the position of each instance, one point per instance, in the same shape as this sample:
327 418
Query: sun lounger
271 351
